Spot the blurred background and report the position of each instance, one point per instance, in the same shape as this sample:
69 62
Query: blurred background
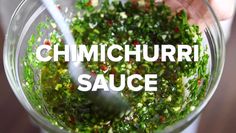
218 117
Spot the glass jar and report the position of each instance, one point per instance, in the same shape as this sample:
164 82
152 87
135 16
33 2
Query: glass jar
30 12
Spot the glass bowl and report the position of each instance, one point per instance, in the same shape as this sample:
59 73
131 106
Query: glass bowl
31 12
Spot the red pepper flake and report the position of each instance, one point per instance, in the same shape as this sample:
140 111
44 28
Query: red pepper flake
135 42
103 67
89 3
113 71
59 7
147 5
176 29
96 131
134 4
199 82
137 71
109 22
72 120
47 42
179 13
162 119
72 88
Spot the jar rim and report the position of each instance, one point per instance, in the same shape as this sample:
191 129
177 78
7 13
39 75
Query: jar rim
179 125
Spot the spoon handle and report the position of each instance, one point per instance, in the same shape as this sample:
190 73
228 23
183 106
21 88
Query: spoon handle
108 102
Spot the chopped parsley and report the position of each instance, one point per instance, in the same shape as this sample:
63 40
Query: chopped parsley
181 85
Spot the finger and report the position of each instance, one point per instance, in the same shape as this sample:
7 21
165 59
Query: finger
173 4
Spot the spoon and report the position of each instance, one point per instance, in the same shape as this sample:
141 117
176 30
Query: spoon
109 102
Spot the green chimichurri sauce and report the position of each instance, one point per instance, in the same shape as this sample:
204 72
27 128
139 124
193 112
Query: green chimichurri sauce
54 95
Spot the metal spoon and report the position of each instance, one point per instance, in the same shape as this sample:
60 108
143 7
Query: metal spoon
109 102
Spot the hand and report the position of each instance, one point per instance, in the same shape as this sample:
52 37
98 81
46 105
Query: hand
197 9
223 9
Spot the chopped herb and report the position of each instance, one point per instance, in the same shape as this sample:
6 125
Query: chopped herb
55 96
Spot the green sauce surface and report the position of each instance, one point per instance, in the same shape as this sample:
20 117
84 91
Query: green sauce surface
57 98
